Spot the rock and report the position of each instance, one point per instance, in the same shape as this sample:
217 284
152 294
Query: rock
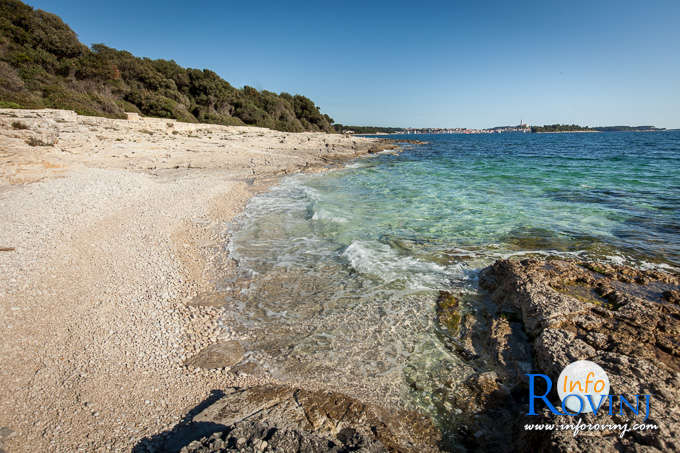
217 355
625 320
672 296
284 418
249 437
487 382
448 312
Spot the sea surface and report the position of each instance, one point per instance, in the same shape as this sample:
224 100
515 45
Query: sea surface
339 272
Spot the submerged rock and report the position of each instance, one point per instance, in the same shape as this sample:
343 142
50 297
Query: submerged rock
208 299
448 311
217 355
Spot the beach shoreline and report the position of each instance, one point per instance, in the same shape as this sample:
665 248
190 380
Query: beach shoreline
116 230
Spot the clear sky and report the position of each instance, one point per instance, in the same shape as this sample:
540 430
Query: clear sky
421 64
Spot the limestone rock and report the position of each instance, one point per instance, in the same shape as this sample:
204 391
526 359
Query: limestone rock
625 320
293 419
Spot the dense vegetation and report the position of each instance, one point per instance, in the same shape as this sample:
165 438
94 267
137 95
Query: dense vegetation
367 129
576 128
628 128
42 64
560 128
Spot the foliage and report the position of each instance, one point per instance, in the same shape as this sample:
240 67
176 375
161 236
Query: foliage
560 128
628 128
9 105
42 64
367 129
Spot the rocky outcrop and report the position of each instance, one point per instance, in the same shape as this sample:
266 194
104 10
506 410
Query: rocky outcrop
285 418
624 319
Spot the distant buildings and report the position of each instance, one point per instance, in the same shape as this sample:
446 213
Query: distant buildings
524 128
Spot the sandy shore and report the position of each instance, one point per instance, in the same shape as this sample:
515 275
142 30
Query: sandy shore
108 230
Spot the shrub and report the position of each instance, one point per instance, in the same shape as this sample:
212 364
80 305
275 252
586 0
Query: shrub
9 105
37 141
44 65
19 125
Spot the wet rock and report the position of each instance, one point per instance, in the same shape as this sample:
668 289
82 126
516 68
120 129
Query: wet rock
448 312
217 355
672 296
249 368
535 239
487 384
478 400
283 418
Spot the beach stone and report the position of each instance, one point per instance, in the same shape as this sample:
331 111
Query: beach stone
217 355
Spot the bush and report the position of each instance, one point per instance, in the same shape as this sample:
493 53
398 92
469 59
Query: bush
37 141
42 64
19 125
9 105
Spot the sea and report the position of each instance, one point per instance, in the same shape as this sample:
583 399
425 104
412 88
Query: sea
339 272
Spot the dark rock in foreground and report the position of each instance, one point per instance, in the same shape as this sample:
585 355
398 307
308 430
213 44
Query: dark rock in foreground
249 436
287 419
552 313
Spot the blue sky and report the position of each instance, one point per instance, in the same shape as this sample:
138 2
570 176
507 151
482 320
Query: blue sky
436 64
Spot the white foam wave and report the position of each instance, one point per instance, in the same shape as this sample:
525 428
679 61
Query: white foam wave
323 214
355 165
380 260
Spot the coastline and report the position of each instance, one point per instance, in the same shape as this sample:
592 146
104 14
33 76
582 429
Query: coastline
568 132
116 228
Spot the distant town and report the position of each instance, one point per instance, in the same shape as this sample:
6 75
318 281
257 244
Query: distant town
525 128
521 128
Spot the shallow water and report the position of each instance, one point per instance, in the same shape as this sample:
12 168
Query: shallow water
344 268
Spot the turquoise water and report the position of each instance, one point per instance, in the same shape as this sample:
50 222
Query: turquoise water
343 269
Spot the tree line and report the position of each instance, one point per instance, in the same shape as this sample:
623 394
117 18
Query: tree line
44 65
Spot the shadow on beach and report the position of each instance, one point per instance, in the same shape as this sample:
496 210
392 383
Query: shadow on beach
185 432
